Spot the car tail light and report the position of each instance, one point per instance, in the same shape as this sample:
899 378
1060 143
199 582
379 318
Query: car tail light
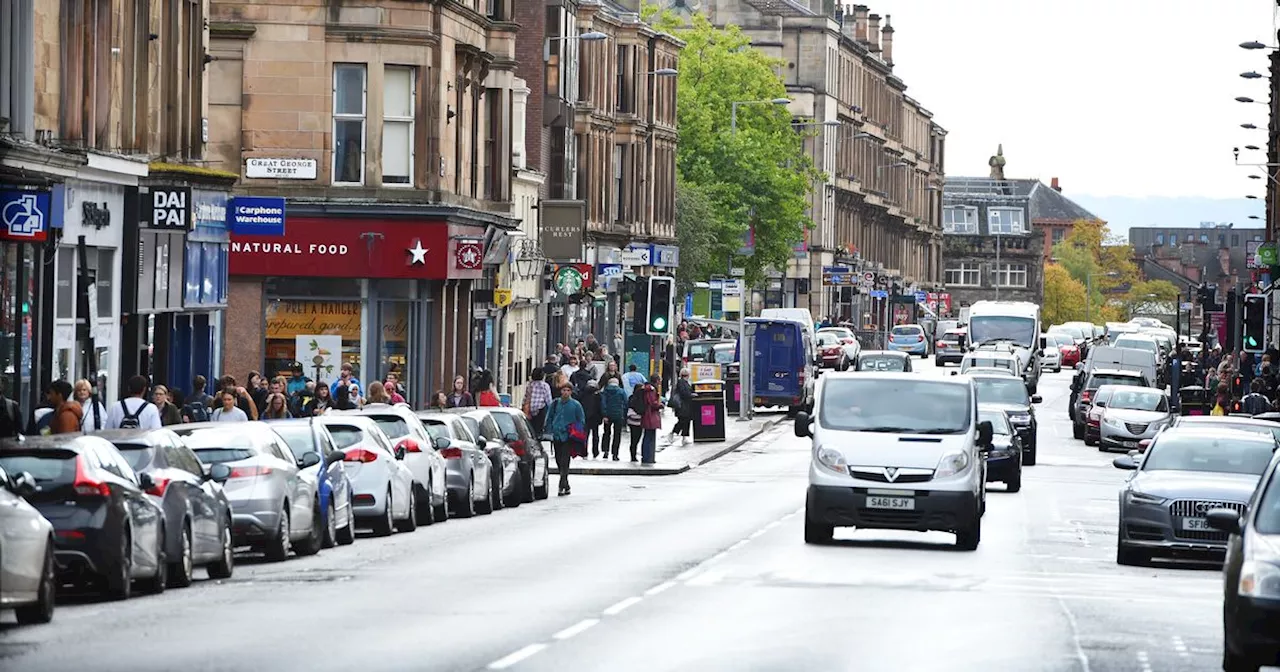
75 535
410 446
451 453
940 344
88 487
364 499
518 446
920 338
1086 396
360 455
158 487
249 472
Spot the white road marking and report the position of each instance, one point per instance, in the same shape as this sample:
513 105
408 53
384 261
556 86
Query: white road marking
717 557
661 587
1145 661
522 654
1075 636
736 546
688 573
619 607
772 525
577 628
757 534
707 578
1181 647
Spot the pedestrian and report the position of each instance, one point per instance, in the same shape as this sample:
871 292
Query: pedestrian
610 371
1256 401
67 412
169 413
570 367
229 411
460 397
256 385
439 401
343 400
489 395
631 379
277 407
537 395
682 404
563 416
578 379
393 387
636 406
617 347
590 400
319 403
377 394
244 400
650 419
347 377
196 408
10 413
297 382
134 412
93 416
613 406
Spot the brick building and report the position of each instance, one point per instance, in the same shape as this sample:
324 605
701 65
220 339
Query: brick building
990 252
1055 215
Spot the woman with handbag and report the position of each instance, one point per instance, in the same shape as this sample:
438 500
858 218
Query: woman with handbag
566 423
650 420
682 404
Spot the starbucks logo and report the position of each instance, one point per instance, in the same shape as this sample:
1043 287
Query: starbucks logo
569 280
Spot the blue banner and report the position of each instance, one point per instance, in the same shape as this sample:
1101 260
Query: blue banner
257 215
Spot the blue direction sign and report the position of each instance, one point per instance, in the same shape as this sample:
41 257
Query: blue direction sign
922 297
879 294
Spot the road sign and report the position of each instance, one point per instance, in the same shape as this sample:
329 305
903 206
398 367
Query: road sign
732 288
837 279
868 277
1185 306
922 297
879 294
24 215
738 272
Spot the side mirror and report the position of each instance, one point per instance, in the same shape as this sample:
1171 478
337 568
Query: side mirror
145 481
441 443
985 433
335 456
219 472
1035 398
401 452
1124 462
510 437
24 485
1224 520
1044 342
481 442
802 425
309 459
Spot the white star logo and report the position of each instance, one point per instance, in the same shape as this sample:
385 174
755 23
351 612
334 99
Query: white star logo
469 257
419 253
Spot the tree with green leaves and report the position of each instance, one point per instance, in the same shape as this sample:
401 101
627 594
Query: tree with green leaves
754 174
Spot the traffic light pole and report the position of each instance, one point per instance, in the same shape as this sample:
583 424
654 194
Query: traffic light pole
746 354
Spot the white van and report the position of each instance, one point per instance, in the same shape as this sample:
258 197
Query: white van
801 315
880 462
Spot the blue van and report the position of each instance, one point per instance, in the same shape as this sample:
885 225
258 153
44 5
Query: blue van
782 371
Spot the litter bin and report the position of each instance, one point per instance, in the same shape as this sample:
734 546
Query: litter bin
733 388
708 410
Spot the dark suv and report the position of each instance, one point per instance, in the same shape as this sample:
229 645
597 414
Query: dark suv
1097 378
1009 394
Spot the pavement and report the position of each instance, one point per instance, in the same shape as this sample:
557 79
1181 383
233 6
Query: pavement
676 459
706 570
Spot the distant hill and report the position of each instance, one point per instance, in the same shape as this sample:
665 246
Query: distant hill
1122 212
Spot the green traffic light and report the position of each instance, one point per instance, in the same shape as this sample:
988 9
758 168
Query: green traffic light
1250 341
659 323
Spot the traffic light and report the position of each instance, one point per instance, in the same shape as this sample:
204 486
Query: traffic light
1255 323
658 307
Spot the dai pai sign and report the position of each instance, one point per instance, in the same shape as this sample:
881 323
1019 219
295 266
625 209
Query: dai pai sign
168 208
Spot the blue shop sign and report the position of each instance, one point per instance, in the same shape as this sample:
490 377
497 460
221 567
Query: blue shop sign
209 216
24 215
607 274
666 255
257 215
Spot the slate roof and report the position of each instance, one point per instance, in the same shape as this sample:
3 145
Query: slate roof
1048 203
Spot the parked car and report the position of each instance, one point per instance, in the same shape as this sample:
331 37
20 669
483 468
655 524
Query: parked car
26 552
1004 460
306 435
403 429
197 513
1092 415
1251 577
275 508
382 487
535 461
1132 414
1051 354
1182 476
697 350
107 532
1094 380
468 471
508 480
883 360
909 338
848 340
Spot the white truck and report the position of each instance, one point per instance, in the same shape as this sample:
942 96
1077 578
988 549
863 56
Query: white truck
1009 324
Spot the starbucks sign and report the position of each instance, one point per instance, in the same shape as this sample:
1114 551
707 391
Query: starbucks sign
572 278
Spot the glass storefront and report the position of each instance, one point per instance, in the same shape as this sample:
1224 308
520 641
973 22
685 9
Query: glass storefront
17 314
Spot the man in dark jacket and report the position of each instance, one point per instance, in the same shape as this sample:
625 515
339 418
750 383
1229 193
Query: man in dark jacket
613 405
589 397
682 402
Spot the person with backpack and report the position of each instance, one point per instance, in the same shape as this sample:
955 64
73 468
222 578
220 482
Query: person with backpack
94 416
1256 401
196 408
613 405
134 412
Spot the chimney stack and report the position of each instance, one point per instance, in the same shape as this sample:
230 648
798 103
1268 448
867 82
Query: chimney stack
886 41
873 33
860 23
1054 183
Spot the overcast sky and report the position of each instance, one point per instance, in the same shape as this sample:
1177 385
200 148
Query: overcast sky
1115 97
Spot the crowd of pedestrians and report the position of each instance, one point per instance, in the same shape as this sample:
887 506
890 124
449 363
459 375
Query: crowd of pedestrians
1240 382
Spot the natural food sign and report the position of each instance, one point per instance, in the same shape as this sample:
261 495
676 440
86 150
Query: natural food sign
288 320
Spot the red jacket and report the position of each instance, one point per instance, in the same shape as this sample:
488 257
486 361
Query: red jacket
652 418
66 419
489 398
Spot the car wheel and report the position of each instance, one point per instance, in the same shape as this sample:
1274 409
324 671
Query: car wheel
384 525
160 580
526 485
1029 456
120 581
278 548
330 526
42 610
466 507
1014 483
347 533
182 571
486 507
541 491
410 522
1089 440
816 532
1077 431
440 512
225 565
968 538
315 537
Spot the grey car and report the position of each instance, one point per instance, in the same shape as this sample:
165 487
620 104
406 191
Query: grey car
274 505
1185 473
509 480
468 472
1131 415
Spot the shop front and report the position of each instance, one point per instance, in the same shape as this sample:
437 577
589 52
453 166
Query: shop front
25 229
381 295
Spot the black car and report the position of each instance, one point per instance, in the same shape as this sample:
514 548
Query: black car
1007 454
1251 577
1009 393
107 531
197 514
518 433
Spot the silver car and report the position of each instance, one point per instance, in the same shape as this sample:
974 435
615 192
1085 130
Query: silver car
1132 414
274 505
1185 473
468 472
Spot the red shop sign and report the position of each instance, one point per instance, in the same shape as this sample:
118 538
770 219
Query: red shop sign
347 248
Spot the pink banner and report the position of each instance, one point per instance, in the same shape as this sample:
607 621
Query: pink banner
708 415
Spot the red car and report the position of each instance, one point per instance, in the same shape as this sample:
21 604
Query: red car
1070 355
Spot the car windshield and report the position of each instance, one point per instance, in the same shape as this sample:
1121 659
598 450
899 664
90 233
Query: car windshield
839 333
1273 432
136 454
1020 330
723 355
951 338
1139 401
700 350
218 444
989 362
1137 344
52 467
880 363
473 425
435 429
393 426
1211 453
506 423
893 406
299 438
1002 391
1267 519
999 421
1099 379
828 340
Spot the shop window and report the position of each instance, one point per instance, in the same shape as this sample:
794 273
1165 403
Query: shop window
349 88
66 274
394 347
105 280
320 335
398 95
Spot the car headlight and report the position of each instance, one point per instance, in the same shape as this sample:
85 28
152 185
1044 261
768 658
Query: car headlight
1133 497
1020 418
833 460
1259 578
951 464
1112 421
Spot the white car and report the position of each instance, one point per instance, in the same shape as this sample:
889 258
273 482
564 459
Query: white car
878 462
430 472
1051 356
382 491
26 553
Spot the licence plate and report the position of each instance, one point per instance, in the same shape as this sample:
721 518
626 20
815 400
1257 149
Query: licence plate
899 503
1196 524
1130 444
